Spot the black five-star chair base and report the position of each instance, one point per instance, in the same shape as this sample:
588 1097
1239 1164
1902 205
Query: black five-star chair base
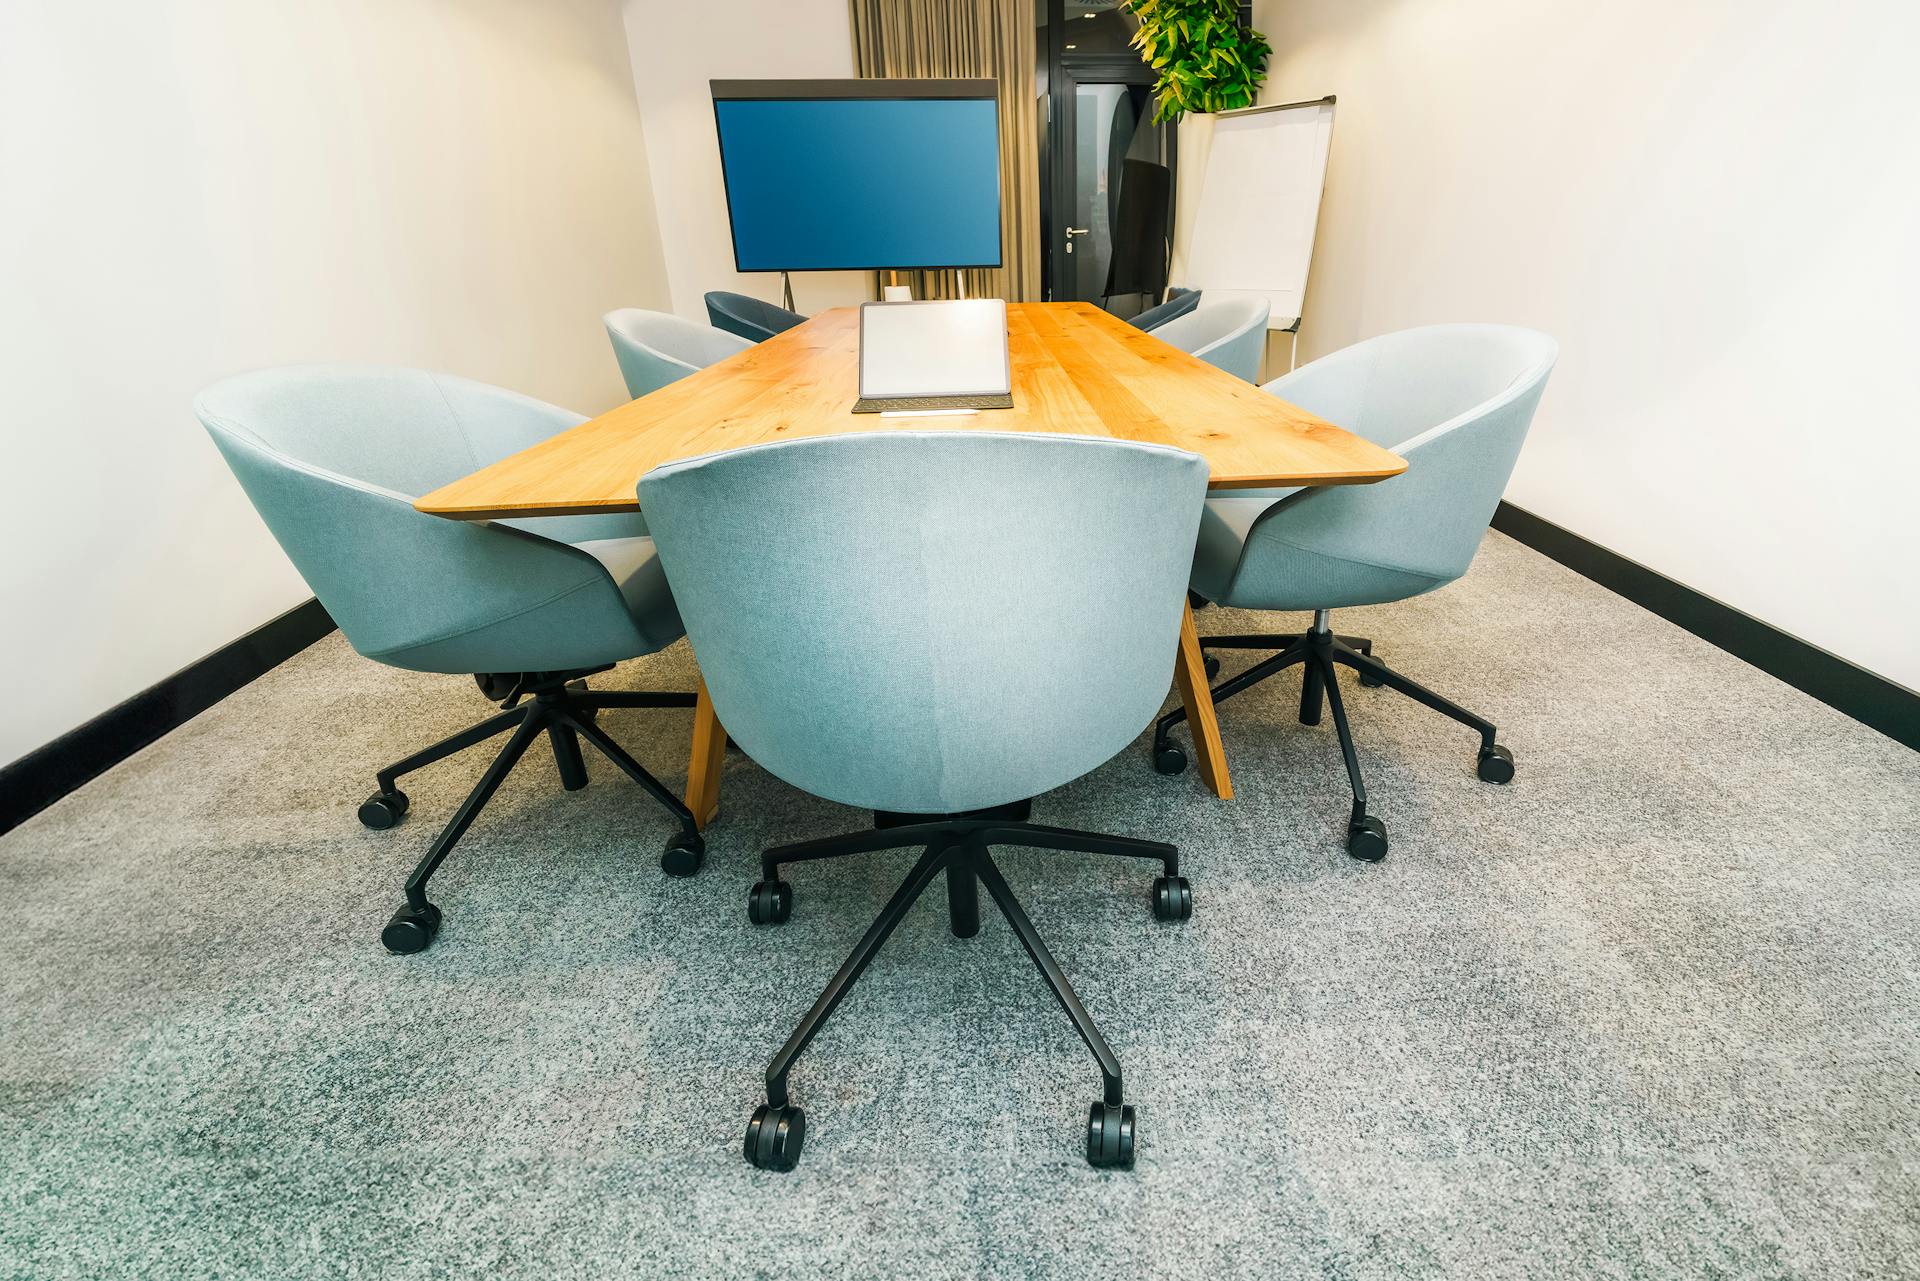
1320 653
957 846
558 704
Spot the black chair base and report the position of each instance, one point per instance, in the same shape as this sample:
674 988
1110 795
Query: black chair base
1320 654
559 705
957 847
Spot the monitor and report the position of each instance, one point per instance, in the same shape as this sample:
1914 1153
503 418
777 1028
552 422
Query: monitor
866 175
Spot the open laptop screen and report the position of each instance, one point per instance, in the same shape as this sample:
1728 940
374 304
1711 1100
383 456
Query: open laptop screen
954 348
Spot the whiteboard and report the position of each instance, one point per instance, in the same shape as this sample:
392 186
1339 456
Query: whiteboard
1260 203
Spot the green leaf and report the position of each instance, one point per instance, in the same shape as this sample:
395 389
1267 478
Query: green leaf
1204 61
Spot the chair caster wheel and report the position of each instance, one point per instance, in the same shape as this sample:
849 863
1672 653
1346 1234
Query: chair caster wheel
774 1137
1496 765
383 809
1169 759
1370 681
1367 839
1213 666
411 929
769 902
684 854
1110 1136
1172 898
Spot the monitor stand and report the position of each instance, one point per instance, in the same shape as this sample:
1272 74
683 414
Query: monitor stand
892 292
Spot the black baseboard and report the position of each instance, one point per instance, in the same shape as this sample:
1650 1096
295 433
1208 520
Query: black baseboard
1872 700
46 774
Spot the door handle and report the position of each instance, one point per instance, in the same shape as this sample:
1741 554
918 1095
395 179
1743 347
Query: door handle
1075 231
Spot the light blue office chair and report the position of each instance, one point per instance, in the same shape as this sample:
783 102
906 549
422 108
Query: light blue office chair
655 349
1179 302
332 457
946 709
1228 333
750 318
1455 402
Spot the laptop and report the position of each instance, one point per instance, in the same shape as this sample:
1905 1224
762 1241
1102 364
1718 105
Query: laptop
934 357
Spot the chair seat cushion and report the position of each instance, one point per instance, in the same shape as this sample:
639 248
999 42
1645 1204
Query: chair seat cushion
1239 565
634 566
1224 525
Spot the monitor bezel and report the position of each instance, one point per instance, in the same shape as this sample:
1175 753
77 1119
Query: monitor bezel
904 89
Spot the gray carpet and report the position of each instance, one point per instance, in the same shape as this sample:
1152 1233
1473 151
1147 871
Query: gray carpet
1650 1011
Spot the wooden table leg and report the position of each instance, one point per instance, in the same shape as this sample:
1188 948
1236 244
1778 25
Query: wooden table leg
1190 672
703 764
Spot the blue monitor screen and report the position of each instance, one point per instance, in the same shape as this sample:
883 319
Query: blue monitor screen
861 183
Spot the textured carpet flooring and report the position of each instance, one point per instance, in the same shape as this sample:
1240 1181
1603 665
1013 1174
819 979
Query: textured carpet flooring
1653 1010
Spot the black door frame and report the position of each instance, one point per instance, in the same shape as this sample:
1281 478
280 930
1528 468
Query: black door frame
1064 73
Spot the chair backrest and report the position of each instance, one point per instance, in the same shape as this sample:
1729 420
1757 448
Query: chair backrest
931 622
1227 331
1179 302
332 457
750 318
655 348
1455 401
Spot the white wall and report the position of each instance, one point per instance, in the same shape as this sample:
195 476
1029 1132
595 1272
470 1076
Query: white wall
193 187
677 48
1715 207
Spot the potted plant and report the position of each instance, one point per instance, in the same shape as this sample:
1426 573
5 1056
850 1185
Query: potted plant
1205 60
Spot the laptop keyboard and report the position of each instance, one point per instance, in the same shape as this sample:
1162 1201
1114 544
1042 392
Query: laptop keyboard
909 404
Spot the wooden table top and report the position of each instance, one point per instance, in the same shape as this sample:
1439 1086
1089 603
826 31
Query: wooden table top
1076 370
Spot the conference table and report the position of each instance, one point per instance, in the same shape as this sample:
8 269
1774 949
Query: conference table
1077 370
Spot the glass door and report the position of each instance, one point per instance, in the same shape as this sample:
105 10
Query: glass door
1119 199
1108 216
